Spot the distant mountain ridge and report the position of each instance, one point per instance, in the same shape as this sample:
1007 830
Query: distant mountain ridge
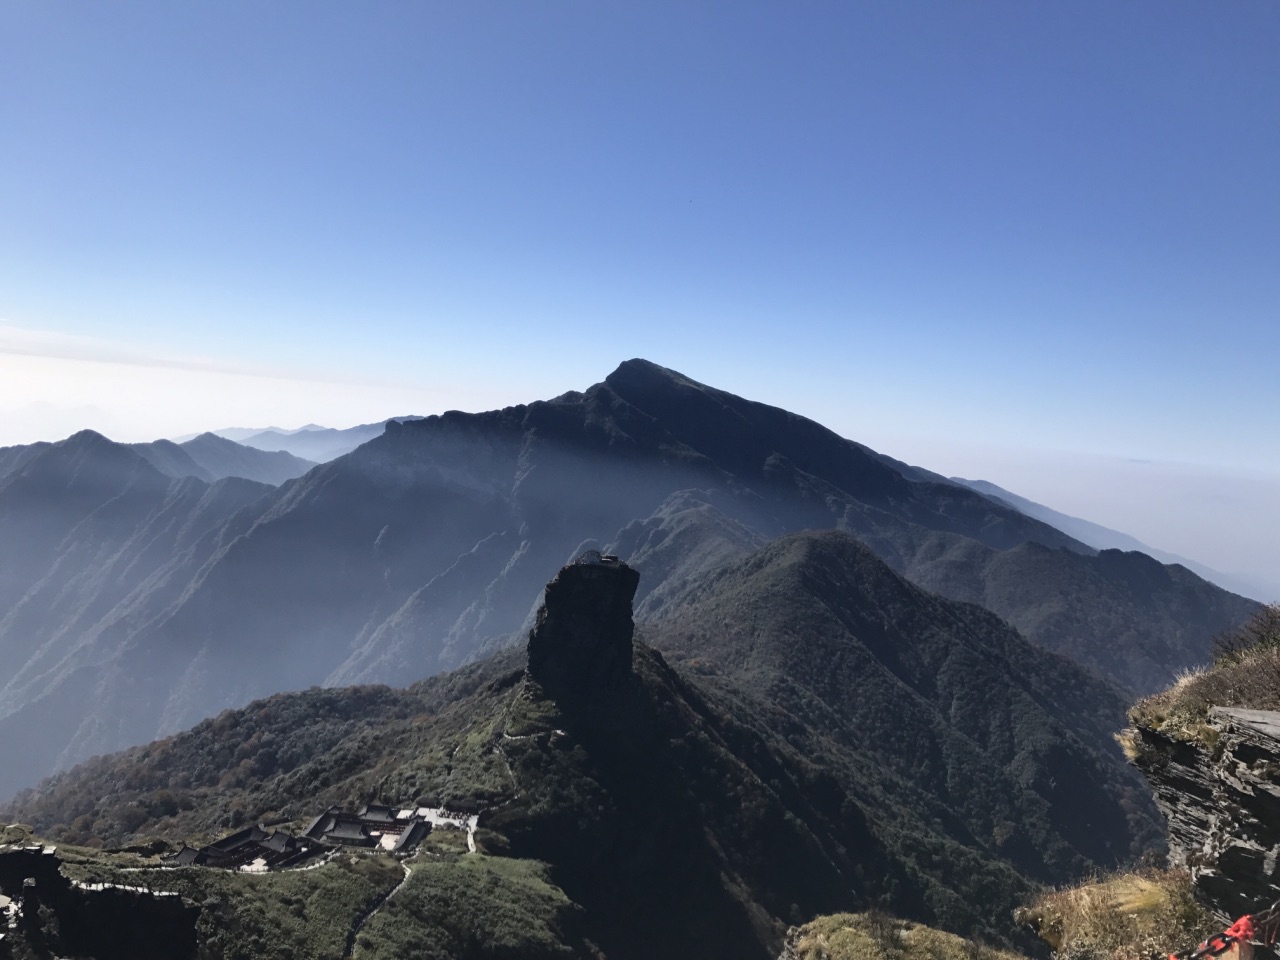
89 527
220 458
206 457
430 543
1104 538
314 442
238 434
11 458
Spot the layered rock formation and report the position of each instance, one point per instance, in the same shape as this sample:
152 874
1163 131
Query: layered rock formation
1220 790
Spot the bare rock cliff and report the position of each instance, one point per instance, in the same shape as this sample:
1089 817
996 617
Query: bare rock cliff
581 645
1221 795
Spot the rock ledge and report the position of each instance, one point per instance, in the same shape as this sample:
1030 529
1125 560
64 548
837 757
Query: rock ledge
1221 796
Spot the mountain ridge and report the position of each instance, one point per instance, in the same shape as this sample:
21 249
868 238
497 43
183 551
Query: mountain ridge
430 542
206 457
1104 538
312 442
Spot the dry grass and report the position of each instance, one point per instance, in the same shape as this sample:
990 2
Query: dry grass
1127 917
877 936
1245 673
1248 679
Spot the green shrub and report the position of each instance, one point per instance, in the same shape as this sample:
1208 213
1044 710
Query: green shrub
474 907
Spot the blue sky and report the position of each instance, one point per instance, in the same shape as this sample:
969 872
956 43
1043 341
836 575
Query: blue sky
1003 239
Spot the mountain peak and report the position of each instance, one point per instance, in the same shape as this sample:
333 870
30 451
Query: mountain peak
211 441
641 373
91 451
85 438
209 437
819 551
641 365
581 643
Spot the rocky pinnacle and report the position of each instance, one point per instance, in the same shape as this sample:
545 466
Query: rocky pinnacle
580 645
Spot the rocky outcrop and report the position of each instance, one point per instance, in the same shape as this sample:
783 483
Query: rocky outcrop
1220 790
61 918
679 829
581 643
